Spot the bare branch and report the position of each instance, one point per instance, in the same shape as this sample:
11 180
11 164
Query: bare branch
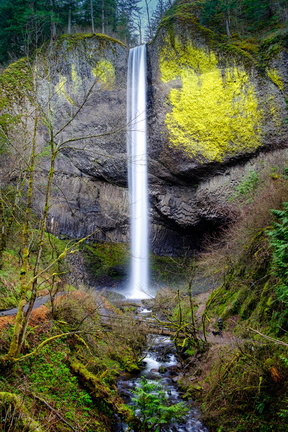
271 339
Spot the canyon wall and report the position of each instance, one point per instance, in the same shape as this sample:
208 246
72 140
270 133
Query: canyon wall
214 116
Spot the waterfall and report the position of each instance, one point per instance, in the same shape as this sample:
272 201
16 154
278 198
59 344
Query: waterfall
137 171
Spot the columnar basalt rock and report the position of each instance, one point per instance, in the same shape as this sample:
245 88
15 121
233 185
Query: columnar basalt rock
90 83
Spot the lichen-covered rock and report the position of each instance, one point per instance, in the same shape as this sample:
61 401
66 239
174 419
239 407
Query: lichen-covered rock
74 97
210 105
213 116
211 111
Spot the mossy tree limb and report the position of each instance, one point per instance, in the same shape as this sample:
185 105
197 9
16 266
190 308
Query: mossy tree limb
100 392
21 320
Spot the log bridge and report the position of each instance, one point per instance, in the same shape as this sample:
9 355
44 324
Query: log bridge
146 325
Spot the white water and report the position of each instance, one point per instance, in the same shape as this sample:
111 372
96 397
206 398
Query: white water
160 365
137 172
153 366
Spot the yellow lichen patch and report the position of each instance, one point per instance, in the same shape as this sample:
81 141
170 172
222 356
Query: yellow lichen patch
75 78
274 111
215 114
61 84
274 76
174 61
105 73
61 89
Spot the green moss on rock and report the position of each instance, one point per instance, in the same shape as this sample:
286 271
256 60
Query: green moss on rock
106 259
73 40
16 83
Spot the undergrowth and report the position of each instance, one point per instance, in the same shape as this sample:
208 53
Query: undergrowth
247 389
69 383
246 385
52 247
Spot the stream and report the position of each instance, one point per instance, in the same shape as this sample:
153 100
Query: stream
160 364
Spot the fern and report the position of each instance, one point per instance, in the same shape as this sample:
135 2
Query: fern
279 244
151 405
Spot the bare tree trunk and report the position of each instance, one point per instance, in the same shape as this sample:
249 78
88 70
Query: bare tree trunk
92 16
227 28
227 18
52 22
69 20
6 222
43 228
148 19
139 24
18 334
103 17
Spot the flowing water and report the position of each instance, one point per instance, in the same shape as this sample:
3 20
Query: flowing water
160 364
137 172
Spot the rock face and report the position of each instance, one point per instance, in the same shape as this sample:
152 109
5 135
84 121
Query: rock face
88 103
213 118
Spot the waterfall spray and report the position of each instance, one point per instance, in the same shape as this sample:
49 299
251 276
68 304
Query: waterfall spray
137 171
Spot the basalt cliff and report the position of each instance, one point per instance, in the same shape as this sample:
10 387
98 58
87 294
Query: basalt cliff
215 115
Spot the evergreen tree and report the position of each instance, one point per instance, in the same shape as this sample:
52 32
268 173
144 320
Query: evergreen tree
128 12
105 15
11 34
159 12
24 26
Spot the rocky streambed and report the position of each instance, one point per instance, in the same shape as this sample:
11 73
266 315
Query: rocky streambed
160 365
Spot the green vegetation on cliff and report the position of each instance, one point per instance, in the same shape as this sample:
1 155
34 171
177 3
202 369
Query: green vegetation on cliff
253 260
244 23
242 381
239 374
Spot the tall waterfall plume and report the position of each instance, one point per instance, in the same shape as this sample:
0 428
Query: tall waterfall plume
137 171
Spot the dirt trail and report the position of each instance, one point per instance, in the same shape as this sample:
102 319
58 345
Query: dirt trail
227 337
38 316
